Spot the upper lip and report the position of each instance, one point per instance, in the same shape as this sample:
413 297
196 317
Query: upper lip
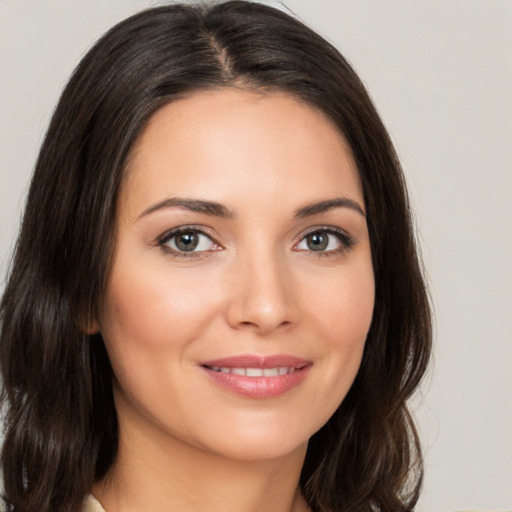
258 361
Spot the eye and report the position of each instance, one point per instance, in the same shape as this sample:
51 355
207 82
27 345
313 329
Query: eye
187 242
325 241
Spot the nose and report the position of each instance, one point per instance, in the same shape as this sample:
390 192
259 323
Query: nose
262 298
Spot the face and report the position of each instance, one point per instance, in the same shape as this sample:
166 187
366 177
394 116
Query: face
242 287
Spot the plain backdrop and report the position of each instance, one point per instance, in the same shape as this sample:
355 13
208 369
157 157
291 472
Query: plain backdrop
440 72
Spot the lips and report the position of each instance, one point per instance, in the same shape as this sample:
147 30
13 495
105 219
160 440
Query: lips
258 376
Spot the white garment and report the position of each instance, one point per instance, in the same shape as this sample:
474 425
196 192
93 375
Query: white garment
91 504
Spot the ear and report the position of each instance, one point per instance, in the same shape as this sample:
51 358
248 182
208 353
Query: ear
89 326
92 328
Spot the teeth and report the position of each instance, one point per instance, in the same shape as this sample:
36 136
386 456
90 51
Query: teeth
255 372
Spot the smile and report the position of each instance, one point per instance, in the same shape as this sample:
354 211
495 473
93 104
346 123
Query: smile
255 372
258 377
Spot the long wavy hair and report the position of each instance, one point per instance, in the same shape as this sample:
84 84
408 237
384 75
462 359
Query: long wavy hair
61 430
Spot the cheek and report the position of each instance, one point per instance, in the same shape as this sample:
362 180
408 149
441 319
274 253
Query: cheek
343 317
344 308
149 324
155 306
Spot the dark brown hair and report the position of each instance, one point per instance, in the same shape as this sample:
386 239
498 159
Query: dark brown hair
61 424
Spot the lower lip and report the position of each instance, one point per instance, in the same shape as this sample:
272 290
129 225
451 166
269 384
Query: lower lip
258 387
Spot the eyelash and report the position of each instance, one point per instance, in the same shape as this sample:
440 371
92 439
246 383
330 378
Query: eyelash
166 237
347 241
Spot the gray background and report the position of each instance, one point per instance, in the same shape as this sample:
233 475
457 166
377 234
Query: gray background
440 72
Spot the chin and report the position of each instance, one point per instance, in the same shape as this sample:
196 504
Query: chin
262 449
260 440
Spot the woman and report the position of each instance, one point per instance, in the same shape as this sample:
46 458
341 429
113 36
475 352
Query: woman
215 300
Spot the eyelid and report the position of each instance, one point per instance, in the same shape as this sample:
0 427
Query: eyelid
347 241
164 238
345 238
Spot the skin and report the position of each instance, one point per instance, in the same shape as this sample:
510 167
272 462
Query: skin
254 286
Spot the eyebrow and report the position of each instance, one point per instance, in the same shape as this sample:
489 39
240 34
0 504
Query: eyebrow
328 204
195 205
218 210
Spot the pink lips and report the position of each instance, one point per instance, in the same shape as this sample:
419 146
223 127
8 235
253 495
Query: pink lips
258 376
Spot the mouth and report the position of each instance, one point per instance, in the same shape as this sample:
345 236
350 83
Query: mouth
258 376
254 372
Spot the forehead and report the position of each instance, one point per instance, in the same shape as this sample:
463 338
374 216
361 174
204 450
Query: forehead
224 144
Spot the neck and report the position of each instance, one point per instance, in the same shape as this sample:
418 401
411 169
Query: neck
157 473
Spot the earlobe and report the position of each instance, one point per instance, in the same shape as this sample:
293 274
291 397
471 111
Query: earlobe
89 326
92 328
87 322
